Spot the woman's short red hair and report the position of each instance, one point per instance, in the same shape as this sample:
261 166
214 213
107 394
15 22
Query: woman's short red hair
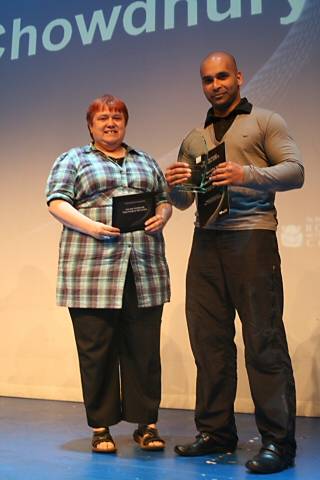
110 101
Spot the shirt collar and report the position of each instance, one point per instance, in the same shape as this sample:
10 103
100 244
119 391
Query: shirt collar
243 107
92 148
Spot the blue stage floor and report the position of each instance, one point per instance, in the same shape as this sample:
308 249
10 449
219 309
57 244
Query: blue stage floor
48 440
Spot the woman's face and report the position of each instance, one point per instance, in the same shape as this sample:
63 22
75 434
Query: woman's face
108 129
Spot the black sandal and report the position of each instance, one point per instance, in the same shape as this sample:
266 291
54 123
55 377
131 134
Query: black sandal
145 435
100 437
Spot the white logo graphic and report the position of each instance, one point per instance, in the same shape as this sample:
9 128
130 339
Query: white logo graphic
292 236
308 235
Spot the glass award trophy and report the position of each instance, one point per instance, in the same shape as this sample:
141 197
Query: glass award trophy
194 151
203 156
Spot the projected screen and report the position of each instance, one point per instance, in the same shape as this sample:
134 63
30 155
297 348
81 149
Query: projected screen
57 56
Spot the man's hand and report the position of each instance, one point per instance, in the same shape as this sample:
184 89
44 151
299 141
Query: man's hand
177 173
227 173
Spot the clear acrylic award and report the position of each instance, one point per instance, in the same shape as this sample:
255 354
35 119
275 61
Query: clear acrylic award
203 157
194 152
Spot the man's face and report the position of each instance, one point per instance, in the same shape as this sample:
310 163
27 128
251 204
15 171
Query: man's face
221 84
108 129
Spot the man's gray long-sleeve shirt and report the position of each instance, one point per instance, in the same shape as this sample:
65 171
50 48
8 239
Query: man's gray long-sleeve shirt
272 163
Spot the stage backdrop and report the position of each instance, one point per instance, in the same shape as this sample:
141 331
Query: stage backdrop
55 57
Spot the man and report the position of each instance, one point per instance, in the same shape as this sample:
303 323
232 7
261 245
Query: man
234 266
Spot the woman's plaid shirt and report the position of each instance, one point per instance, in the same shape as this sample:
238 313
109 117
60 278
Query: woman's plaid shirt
91 272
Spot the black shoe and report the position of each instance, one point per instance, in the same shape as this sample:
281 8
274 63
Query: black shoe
271 458
203 445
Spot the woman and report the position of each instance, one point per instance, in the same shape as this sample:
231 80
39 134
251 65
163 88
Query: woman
114 284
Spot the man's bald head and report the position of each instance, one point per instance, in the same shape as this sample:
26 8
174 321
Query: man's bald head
220 56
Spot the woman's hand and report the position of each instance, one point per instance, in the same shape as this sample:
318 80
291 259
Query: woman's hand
72 218
101 231
154 224
157 222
